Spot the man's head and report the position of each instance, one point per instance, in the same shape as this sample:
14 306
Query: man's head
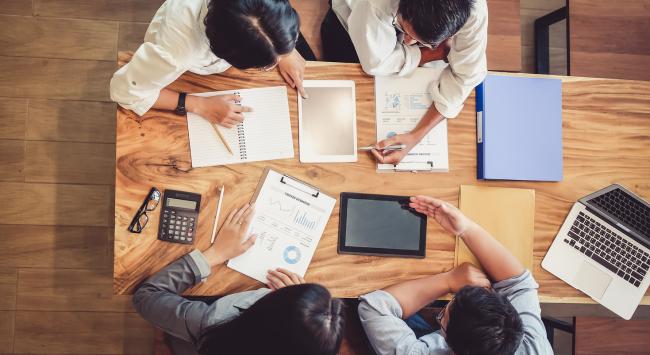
432 21
251 33
481 321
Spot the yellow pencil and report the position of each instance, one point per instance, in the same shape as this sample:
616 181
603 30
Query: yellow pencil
223 139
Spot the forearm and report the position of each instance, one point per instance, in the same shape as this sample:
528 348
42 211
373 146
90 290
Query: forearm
496 260
430 119
413 295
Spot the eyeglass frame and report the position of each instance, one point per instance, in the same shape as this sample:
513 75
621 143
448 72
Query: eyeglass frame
142 211
441 315
401 30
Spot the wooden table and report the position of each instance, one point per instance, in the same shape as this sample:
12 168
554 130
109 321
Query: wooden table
609 39
606 140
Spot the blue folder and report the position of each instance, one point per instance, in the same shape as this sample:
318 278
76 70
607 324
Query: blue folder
519 128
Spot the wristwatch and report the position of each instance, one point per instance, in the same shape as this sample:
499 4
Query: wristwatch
180 109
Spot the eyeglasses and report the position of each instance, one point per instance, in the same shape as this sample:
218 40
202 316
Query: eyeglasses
401 30
441 315
149 204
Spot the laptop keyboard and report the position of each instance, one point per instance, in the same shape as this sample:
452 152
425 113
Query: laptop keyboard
605 247
626 209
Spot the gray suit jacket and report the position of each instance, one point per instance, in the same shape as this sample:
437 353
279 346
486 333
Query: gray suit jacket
159 301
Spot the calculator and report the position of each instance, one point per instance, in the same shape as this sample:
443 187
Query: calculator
179 217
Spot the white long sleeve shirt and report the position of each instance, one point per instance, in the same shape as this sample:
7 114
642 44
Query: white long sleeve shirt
175 42
381 52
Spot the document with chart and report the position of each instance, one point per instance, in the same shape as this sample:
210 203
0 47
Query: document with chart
400 104
290 217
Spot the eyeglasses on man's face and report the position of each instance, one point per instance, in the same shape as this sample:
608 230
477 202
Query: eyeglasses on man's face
398 27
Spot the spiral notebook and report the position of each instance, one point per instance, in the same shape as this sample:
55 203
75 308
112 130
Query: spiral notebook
265 133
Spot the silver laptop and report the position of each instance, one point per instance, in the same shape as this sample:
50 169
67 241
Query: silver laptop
603 249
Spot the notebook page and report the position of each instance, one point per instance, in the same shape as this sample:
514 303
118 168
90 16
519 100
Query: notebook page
268 127
266 130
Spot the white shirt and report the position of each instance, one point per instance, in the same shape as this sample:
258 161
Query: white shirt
381 52
175 42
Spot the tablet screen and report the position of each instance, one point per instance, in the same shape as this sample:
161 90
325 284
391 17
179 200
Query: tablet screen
328 121
380 224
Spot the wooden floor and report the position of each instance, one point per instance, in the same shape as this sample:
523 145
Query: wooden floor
57 135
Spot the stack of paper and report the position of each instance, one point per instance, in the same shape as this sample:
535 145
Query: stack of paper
508 214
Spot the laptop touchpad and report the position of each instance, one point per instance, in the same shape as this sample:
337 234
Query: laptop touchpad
591 281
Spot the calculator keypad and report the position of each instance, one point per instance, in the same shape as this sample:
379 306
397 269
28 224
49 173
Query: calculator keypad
177 227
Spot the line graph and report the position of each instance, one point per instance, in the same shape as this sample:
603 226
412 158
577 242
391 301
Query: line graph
281 206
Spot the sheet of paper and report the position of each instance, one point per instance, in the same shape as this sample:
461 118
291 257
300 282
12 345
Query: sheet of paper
507 213
289 223
264 135
400 104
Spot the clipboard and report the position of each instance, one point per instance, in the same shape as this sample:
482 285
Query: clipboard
289 220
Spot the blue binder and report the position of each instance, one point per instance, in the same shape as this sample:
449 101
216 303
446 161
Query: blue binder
519 128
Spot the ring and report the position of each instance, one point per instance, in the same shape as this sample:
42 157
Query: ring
239 222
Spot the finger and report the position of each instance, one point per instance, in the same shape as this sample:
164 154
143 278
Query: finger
302 280
237 117
246 109
270 285
248 243
230 216
231 97
378 156
430 200
386 142
237 217
248 217
240 108
294 277
285 278
287 78
301 89
274 280
392 158
232 123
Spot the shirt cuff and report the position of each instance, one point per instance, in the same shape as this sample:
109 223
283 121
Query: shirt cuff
199 265
383 302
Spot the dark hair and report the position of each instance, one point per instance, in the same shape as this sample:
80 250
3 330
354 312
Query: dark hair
435 20
300 319
251 33
483 322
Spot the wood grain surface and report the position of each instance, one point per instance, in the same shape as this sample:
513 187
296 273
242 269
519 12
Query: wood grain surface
609 39
604 336
606 139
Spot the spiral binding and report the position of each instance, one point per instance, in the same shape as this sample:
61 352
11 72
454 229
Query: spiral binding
241 136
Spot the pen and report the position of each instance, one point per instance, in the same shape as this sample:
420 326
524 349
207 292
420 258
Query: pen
216 218
223 139
389 148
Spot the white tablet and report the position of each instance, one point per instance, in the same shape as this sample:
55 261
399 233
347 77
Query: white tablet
327 122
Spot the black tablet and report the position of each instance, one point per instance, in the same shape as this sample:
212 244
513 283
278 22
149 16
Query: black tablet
381 225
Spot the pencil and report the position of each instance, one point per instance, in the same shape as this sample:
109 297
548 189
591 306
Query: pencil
223 139
216 218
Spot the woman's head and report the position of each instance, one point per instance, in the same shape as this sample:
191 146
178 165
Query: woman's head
251 33
481 321
300 319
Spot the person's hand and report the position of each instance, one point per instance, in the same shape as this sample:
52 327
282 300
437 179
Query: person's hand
448 216
230 239
395 156
292 69
466 274
222 109
439 53
280 278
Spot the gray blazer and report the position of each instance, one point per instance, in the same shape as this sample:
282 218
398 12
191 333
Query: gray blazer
159 301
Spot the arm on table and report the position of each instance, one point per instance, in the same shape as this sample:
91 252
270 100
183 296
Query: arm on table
159 298
497 261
